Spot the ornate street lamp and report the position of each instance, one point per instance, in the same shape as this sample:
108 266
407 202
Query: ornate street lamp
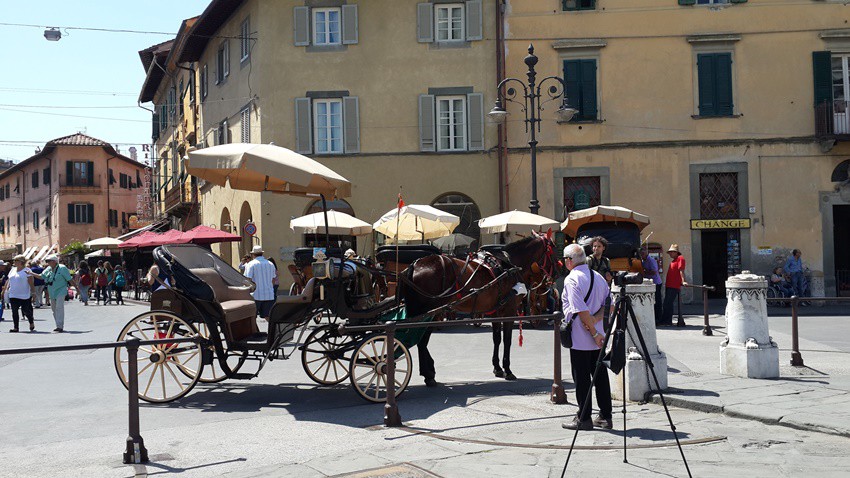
532 106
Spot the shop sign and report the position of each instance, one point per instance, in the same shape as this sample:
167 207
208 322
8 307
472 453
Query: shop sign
581 200
720 223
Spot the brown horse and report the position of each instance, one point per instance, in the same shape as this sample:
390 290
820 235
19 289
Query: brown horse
475 288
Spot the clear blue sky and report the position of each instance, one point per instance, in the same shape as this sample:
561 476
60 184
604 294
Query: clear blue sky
82 61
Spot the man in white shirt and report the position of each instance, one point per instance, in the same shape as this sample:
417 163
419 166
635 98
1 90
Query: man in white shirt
262 272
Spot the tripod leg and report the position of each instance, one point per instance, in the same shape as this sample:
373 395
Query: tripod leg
649 364
625 458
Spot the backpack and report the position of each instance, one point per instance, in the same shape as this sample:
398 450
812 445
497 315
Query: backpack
120 281
101 277
85 279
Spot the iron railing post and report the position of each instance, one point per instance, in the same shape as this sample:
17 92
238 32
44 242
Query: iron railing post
392 418
706 330
136 451
558 395
796 357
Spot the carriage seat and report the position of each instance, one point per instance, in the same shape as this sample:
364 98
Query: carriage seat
240 311
305 297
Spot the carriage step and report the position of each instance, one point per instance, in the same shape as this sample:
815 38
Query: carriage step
243 376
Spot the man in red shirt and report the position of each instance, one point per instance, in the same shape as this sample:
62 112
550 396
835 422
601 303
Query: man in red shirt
672 284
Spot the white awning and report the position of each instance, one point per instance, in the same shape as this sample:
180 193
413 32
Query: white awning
42 253
29 252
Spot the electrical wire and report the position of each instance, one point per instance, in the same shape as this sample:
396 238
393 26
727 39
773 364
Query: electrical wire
63 92
75 116
111 30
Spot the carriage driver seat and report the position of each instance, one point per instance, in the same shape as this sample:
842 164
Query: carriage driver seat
237 304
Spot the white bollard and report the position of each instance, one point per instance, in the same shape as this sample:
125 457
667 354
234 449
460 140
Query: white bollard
639 379
748 350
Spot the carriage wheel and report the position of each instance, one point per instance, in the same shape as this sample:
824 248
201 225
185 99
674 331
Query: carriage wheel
213 372
323 355
168 371
368 368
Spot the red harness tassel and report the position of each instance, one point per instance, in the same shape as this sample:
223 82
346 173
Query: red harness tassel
520 331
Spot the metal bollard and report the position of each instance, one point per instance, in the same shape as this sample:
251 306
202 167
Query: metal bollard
136 451
796 357
391 416
706 330
558 396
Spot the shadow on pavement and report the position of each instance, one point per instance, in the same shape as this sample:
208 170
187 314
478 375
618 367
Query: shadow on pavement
141 470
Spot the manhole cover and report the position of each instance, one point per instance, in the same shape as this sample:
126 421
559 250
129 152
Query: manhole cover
402 470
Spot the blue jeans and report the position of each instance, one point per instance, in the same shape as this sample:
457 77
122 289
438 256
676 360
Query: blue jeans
798 282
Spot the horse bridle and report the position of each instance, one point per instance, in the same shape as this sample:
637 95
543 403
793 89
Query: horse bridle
546 264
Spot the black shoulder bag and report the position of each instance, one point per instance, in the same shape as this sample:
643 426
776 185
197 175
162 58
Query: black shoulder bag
567 325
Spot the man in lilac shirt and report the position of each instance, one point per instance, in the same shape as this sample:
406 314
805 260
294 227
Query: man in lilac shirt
588 336
650 271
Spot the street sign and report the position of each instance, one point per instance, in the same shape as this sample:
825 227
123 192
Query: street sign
720 223
250 228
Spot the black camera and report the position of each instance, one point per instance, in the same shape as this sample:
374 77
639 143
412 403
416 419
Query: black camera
623 278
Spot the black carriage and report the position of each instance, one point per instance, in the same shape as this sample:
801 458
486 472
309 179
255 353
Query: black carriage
206 297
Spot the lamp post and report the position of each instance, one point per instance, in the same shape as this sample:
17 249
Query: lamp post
532 106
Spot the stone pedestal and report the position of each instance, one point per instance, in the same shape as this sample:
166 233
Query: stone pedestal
638 377
817 287
748 350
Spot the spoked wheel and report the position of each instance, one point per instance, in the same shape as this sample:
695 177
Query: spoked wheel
166 372
213 372
369 368
323 355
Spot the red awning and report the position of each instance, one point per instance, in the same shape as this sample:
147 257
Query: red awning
208 235
153 239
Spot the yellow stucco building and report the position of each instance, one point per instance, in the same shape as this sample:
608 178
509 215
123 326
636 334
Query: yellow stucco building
694 111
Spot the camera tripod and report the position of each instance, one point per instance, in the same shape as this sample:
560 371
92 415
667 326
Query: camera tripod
622 312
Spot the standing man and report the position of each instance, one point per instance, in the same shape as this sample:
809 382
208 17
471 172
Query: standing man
650 271
262 272
794 268
597 262
57 277
673 284
583 299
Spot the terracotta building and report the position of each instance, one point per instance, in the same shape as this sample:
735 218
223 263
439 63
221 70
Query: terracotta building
75 189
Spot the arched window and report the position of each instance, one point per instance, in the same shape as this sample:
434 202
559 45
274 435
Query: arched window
318 240
840 173
463 207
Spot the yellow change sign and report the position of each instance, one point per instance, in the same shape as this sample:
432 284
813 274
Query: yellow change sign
720 223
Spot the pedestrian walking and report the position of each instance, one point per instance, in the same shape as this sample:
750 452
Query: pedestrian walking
3 278
673 283
276 280
38 296
57 278
262 272
585 293
19 288
99 283
119 281
109 272
84 279
650 271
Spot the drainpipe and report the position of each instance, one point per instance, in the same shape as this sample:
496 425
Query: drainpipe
24 203
502 128
108 207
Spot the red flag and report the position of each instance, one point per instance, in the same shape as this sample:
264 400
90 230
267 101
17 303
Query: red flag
400 201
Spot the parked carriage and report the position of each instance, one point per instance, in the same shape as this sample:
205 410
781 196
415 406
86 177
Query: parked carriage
208 298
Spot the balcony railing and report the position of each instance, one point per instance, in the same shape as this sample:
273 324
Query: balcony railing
832 119
178 200
66 182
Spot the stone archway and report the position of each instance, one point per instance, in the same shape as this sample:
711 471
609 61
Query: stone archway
226 248
247 241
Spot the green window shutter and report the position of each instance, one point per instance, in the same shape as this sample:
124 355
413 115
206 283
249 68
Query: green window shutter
351 124
723 69
427 124
90 173
301 26
425 22
571 78
687 2
705 77
349 25
71 214
822 67
588 90
69 173
303 126
90 211
474 15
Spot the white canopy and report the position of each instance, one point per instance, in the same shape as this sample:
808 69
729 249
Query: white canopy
339 223
42 253
104 243
519 221
416 222
98 253
265 167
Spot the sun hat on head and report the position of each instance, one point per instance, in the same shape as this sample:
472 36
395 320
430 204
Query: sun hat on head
258 249
19 257
52 257
674 248
350 253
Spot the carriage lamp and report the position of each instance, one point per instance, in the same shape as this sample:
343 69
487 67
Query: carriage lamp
52 34
530 96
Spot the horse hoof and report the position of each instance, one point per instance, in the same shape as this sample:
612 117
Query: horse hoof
498 372
510 376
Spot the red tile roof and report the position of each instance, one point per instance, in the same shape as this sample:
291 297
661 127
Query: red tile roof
77 139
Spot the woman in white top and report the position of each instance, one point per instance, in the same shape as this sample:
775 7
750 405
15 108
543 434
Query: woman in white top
19 289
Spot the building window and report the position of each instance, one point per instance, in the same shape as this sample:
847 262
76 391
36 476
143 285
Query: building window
191 89
18 224
35 220
718 194
451 123
326 26
570 5
581 192
714 75
449 22
223 133
172 106
123 180
45 176
8 186
222 59
204 82
328 126
465 208
47 223
113 218
245 41
80 213
245 125
580 80
80 173
3 227
35 180
2 193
